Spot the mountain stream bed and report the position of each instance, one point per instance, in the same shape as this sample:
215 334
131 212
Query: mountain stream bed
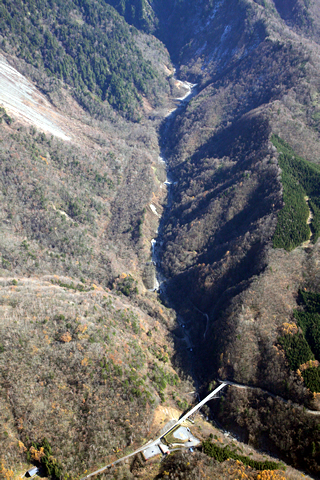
159 279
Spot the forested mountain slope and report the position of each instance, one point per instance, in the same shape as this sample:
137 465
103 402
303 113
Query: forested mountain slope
85 350
85 44
258 75
88 355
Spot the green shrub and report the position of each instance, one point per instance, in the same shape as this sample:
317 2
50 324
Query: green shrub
5 117
310 325
305 346
311 378
224 453
300 179
127 286
51 467
297 350
311 300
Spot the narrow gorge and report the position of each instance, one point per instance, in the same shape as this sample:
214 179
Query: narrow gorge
155 234
169 183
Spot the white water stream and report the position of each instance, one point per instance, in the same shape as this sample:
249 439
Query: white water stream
160 279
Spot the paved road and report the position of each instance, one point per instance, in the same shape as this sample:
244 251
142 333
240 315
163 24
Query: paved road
158 440
248 387
207 320
199 405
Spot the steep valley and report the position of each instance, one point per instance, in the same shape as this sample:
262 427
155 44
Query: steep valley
218 240
90 356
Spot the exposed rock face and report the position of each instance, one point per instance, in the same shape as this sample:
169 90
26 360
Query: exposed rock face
22 100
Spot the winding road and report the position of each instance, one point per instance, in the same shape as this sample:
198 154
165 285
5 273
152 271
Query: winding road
207 320
158 441
248 387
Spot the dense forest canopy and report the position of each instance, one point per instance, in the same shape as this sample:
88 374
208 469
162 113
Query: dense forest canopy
301 183
84 43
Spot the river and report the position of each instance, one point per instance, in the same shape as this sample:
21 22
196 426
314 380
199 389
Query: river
156 243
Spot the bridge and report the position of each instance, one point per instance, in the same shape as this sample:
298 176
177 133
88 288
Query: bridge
158 441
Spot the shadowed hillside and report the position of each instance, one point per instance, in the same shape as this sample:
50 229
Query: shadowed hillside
91 362
256 71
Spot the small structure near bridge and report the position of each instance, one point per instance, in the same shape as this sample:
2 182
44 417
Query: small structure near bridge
151 452
175 437
181 436
32 472
154 450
